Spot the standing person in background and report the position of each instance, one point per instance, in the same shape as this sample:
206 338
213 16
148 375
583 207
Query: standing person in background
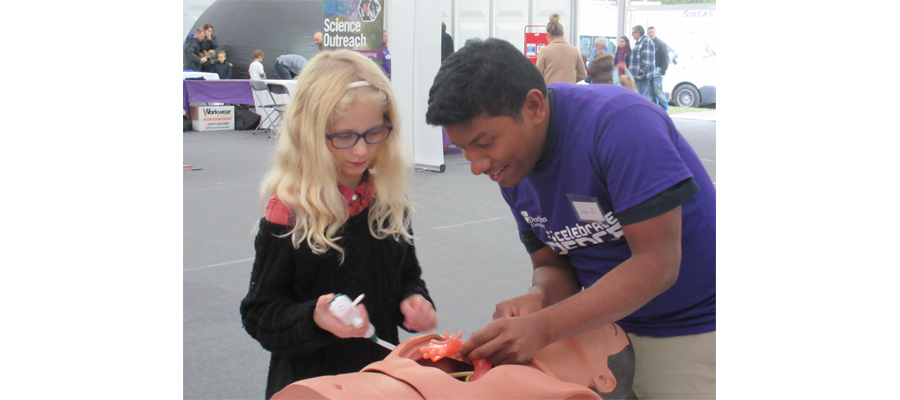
287 66
223 68
446 42
446 51
599 48
317 39
338 220
387 55
643 61
209 42
256 70
560 61
623 55
194 56
662 64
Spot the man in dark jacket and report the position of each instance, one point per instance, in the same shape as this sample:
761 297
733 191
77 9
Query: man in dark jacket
193 55
446 42
662 63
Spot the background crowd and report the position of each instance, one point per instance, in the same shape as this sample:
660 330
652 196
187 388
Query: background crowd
201 54
641 68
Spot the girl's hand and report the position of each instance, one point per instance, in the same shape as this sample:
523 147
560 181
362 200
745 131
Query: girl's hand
327 321
419 314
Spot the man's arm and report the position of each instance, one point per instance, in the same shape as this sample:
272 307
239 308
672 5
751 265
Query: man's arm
653 267
554 277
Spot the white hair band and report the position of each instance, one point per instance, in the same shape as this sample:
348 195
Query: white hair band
358 84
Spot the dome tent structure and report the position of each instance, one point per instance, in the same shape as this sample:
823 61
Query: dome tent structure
274 26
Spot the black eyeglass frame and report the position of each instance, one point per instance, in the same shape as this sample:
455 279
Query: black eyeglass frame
364 135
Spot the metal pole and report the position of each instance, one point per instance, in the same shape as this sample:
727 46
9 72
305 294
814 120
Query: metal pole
621 6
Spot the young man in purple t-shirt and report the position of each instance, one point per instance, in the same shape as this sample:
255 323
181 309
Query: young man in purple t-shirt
608 197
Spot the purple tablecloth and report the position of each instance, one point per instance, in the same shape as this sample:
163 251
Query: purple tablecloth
217 91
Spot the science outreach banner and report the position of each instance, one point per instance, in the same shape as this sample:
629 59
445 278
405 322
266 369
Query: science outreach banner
355 25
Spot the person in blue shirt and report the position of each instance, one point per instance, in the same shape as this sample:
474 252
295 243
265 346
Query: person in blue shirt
289 66
387 55
612 204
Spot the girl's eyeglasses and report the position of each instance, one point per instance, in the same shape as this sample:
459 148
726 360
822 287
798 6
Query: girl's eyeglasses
347 140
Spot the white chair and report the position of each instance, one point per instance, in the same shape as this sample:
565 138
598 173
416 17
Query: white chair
266 106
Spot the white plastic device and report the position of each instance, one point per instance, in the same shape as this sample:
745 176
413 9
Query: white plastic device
346 311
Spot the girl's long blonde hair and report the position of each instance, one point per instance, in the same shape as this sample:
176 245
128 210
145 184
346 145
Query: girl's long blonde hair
304 175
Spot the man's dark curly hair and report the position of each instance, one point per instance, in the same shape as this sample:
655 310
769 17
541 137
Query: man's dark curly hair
490 76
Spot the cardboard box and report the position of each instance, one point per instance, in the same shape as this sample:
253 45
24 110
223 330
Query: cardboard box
212 118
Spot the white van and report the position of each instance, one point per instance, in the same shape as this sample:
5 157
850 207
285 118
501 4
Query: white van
691 77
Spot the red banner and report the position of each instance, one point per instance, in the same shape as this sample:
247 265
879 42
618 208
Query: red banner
534 41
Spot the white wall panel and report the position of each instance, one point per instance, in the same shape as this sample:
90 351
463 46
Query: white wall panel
597 18
510 18
415 44
472 20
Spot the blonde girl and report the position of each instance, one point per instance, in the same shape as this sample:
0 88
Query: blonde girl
337 221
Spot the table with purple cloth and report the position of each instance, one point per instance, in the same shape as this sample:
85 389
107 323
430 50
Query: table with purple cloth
235 91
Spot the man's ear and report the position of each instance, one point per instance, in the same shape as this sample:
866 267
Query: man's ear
533 110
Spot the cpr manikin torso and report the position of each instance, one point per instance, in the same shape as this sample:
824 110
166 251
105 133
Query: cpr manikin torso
593 365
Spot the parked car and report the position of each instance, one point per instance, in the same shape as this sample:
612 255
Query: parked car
691 78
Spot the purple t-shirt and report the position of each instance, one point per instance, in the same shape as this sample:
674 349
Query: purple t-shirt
612 150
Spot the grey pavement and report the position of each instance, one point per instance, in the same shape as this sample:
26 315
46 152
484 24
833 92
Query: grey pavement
698 115
466 241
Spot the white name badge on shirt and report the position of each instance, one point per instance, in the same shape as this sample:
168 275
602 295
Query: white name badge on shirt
588 209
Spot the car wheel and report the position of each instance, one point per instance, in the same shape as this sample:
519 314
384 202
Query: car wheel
686 96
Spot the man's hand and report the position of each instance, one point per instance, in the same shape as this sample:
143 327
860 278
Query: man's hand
327 321
519 306
418 314
512 340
